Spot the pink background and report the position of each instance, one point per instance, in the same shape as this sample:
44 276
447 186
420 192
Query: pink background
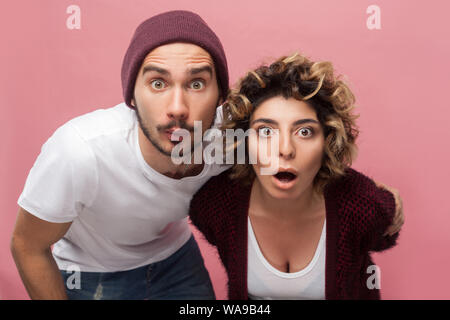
399 74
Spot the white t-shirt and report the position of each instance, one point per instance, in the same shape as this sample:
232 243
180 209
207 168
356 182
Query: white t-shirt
266 282
124 214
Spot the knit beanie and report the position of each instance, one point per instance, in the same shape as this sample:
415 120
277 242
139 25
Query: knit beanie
165 28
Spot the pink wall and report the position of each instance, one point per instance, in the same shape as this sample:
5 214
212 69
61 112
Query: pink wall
399 73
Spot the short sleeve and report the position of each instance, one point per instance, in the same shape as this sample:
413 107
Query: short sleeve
63 179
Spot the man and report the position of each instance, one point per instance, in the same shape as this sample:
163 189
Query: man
104 190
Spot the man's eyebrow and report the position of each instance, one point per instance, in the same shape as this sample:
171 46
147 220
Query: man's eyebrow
194 71
156 69
296 123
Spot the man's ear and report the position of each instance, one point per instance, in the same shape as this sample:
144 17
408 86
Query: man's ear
132 102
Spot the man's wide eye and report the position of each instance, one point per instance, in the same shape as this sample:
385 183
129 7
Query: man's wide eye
197 85
157 84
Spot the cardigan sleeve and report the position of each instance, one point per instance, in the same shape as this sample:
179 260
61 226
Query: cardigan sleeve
206 207
374 214
384 211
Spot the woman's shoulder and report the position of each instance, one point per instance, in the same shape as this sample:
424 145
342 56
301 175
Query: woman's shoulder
355 193
220 179
357 196
220 190
216 205
221 182
353 184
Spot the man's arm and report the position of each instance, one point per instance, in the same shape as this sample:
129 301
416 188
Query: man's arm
31 249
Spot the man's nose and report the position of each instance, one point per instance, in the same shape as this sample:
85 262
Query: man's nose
178 108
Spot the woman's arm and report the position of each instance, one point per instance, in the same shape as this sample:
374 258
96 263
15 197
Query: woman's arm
372 208
199 216
399 218
383 216
378 209
208 207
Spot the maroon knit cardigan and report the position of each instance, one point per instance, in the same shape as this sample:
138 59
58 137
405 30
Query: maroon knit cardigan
357 215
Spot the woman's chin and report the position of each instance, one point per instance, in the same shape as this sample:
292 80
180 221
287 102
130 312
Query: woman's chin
283 190
282 194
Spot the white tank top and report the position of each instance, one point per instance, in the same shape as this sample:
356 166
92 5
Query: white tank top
266 282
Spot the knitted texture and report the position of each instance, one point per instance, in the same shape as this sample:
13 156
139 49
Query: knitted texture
170 27
357 213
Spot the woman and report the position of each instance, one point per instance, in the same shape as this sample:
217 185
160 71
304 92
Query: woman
305 231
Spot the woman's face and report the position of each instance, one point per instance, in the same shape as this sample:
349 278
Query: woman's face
293 125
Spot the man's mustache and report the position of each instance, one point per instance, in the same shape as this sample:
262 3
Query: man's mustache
175 124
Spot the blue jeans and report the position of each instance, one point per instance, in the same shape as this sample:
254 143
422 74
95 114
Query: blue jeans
182 276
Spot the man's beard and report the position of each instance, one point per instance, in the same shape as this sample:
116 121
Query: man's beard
159 128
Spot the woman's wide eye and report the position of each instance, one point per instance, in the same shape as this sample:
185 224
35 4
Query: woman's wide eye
305 132
157 84
265 132
197 85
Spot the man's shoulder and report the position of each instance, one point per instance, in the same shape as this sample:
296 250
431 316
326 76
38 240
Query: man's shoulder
71 141
103 122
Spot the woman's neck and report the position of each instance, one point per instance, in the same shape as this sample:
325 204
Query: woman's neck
307 205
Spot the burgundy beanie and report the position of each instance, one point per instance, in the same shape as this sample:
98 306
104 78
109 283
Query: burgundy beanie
169 27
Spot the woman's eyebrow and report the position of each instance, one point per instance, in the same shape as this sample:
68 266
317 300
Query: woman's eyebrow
264 120
302 121
296 123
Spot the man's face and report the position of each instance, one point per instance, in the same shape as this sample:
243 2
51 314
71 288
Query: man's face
176 85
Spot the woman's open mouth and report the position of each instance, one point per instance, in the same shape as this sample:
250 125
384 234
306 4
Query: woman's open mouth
285 179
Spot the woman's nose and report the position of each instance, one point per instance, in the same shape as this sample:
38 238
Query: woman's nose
286 147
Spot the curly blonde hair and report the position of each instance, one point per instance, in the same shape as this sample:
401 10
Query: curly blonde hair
298 77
